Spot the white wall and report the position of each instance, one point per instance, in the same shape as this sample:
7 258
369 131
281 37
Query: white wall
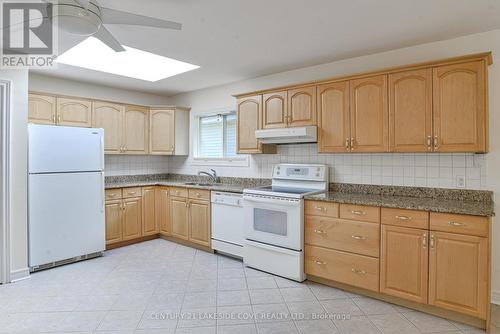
220 97
48 84
18 171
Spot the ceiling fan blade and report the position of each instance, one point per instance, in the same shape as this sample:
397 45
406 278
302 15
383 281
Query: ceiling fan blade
113 16
83 3
105 36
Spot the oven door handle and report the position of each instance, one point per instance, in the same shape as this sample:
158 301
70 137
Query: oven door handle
268 200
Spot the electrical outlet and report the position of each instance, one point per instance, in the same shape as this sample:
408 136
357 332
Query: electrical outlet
460 181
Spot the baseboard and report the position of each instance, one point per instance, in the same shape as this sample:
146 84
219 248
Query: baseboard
495 297
20 274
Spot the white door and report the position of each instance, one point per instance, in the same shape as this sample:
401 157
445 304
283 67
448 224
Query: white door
64 149
66 216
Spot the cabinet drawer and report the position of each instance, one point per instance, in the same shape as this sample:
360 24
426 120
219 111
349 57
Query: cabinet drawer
405 218
179 192
352 236
357 270
200 194
132 192
111 194
360 212
321 208
461 224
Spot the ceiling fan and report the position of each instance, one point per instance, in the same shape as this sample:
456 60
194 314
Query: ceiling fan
87 18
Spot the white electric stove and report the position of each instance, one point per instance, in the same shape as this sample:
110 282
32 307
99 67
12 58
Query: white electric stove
274 219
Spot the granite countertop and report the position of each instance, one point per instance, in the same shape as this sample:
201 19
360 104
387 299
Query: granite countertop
228 187
476 208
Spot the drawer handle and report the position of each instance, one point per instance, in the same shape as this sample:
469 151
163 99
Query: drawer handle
320 208
357 212
358 271
198 194
403 217
358 237
456 224
112 195
319 263
424 240
132 192
319 231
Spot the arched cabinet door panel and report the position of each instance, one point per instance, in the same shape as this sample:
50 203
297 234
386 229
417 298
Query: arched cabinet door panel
302 106
109 116
41 109
275 110
74 112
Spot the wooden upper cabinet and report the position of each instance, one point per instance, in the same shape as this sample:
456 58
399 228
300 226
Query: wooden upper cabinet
333 117
460 107
109 116
179 217
459 273
149 222
275 110
404 263
369 114
199 222
302 106
162 132
410 111
249 115
135 130
132 218
74 112
162 210
113 213
41 109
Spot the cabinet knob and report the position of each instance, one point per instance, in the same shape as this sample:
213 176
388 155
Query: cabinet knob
319 263
319 231
319 208
347 144
358 271
403 217
424 240
358 213
436 142
456 224
358 237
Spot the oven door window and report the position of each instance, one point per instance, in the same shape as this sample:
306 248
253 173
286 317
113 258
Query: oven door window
270 221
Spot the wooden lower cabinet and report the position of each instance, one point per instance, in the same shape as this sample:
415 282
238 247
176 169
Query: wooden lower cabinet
132 218
357 270
113 216
458 273
149 222
199 222
179 217
404 263
162 210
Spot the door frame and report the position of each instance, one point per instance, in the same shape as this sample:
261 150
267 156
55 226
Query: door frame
5 108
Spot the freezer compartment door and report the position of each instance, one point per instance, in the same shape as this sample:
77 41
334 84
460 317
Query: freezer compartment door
55 149
66 216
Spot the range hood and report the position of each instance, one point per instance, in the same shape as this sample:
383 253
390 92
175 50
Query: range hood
305 134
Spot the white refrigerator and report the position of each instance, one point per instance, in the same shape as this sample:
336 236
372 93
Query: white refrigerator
65 194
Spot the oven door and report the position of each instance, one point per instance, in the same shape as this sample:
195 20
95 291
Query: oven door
275 221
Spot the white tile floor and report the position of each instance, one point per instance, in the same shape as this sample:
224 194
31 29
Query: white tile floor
140 289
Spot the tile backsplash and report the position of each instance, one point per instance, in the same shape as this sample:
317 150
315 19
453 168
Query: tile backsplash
457 170
135 164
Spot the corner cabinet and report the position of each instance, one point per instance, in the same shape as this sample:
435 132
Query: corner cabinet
460 107
249 119
169 131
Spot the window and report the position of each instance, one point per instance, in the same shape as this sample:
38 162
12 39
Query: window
217 136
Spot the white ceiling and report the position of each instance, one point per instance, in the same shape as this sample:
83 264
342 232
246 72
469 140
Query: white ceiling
234 40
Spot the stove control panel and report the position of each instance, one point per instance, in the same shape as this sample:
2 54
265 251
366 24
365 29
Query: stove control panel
300 172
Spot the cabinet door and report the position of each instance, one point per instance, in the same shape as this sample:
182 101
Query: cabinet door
333 117
458 273
179 217
199 222
162 132
74 112
149 222
404 263
135 130
113 210
460 122
109 116
249 115
369 114
162 210
41 109
275 111
132 218
302 106
410 111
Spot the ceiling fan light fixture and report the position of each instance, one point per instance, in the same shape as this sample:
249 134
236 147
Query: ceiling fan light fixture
76 20
133 63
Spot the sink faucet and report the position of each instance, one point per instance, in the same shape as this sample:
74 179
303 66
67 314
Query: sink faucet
213 176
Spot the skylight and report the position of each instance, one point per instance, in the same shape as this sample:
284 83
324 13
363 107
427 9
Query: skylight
133 63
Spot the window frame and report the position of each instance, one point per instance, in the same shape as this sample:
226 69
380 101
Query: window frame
239 160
